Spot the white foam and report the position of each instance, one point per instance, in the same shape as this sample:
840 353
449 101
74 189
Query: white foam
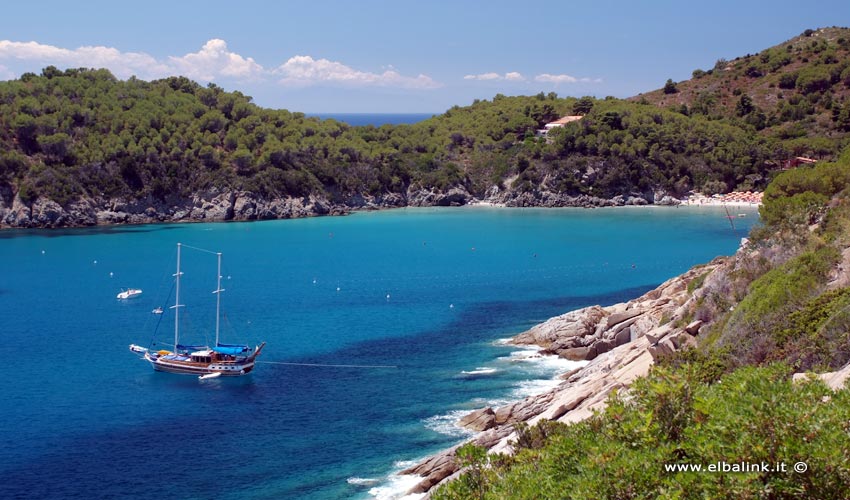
396 488
533 387
543 370
447 424
362 481
481 370
523 355
405 464
555 364
544 364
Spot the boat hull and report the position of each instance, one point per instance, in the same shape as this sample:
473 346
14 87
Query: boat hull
229 369
129 294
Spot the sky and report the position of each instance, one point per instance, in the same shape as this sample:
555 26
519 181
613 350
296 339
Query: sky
371 56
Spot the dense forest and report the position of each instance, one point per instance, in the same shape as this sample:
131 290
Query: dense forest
73 133
82 134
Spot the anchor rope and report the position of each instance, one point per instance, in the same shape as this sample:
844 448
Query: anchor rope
321 365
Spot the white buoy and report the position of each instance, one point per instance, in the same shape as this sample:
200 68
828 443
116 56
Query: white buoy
42 252
388 296
451 306
337 289
110 274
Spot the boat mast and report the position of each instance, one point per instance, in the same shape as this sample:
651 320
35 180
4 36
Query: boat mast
176 305
217 293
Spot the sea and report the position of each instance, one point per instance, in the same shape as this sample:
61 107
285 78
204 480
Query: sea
375 119
382 328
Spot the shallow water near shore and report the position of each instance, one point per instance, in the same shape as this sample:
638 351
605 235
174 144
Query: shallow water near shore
427 292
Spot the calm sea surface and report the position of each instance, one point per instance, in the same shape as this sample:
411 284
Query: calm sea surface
427 291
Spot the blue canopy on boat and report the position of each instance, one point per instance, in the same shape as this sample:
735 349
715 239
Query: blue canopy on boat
232 349
190 348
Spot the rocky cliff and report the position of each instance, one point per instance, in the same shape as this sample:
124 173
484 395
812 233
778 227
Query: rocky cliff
216 205
209 206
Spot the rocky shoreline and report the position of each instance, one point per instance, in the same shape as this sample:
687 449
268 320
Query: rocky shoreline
620 343
217 205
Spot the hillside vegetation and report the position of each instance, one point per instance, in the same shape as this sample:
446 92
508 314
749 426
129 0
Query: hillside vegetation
797 91
81 134
67 134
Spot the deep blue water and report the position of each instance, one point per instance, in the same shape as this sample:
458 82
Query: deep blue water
428 291
376 119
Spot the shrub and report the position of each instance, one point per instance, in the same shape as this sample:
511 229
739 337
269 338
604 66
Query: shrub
753 415
788 81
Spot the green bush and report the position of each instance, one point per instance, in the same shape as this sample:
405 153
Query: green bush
629 450
803 192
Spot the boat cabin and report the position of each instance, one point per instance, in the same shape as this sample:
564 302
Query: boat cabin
211 356
202 356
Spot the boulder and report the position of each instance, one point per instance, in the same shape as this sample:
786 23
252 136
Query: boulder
575 324
579 353
47 213
623 336
616 318
662 349
834 380
479 420
693 327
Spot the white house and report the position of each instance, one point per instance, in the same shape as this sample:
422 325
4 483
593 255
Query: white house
560 122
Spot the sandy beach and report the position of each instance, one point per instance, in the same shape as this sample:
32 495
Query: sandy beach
733 199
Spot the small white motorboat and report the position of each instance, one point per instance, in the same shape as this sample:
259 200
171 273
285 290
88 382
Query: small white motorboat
130 293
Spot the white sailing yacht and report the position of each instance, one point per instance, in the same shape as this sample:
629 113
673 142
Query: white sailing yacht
229 360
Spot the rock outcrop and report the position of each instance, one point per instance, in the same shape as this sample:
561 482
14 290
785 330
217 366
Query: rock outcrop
834 380
586 333
210 206
620 342
233 205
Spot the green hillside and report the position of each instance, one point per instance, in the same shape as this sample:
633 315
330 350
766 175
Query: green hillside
798 91
81 137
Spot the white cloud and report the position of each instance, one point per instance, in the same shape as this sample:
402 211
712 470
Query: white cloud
547 78
122 64
214 61
483 76
510 76
306 71
515 76
558 79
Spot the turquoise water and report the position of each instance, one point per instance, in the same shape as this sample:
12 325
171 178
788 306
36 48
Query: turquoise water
429 291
